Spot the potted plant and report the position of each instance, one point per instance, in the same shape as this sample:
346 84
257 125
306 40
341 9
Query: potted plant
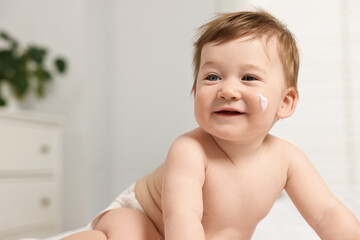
24 69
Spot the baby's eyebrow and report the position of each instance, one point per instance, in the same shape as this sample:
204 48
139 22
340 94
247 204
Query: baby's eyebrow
208 63
246 66
255 67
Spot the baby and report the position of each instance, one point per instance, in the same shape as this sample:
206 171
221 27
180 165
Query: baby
221 179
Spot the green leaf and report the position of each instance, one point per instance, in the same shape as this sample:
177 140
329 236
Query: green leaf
2 102
37 54
20 84
5 57
42 75
5 36
8 64
60 65
12 41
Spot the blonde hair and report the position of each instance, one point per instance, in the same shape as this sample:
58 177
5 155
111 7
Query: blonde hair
229 26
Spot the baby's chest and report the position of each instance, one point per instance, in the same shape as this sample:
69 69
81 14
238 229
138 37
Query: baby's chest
243 197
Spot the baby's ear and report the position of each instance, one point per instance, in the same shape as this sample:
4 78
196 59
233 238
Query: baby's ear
288 104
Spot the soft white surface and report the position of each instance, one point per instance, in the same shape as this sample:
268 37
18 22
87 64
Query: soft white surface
284 221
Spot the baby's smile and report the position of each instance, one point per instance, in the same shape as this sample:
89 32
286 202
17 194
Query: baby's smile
228 112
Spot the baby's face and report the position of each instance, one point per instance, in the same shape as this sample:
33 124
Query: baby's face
240 88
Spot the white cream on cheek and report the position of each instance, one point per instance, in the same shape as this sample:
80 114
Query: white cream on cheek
264 102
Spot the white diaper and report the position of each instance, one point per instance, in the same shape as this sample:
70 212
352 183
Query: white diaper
126 199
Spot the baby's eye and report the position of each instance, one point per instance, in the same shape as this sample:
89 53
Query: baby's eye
249 78
212 77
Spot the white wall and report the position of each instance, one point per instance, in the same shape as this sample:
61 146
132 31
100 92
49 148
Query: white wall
127 93
352 10
153 56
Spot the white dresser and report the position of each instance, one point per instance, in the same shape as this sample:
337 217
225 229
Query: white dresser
30 175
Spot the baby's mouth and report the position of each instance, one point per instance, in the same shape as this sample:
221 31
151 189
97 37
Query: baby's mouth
228 113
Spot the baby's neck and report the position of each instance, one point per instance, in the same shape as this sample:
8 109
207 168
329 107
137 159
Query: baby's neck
241 151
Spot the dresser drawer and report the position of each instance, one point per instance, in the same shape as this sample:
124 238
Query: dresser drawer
28 203
27 147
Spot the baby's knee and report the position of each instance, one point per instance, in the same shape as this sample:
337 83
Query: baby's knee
87 235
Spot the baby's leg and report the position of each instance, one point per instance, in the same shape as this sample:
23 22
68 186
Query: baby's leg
126 223
87 235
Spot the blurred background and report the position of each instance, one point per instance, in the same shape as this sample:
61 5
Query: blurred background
126 95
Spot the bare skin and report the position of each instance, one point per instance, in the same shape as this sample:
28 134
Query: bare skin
89 235
231 209
221 179
226 212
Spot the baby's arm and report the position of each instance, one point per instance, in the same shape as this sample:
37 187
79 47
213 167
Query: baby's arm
183 180
326 214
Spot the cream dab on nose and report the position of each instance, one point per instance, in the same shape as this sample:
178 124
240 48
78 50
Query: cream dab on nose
264 102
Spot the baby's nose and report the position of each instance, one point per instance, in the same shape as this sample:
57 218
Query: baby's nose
229 91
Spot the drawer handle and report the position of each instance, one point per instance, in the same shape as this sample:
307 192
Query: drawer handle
45 202
44 149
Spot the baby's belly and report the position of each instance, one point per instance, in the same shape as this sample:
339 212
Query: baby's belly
217 228
235 215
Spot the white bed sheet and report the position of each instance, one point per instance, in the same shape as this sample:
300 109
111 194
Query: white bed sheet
283 222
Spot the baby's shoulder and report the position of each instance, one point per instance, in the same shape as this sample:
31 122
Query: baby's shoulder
195 139
193 144
283 147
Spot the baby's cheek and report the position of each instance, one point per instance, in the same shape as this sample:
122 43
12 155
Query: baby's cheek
198 110
263 102
259 102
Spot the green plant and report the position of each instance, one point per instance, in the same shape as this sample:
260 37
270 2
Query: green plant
23 68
